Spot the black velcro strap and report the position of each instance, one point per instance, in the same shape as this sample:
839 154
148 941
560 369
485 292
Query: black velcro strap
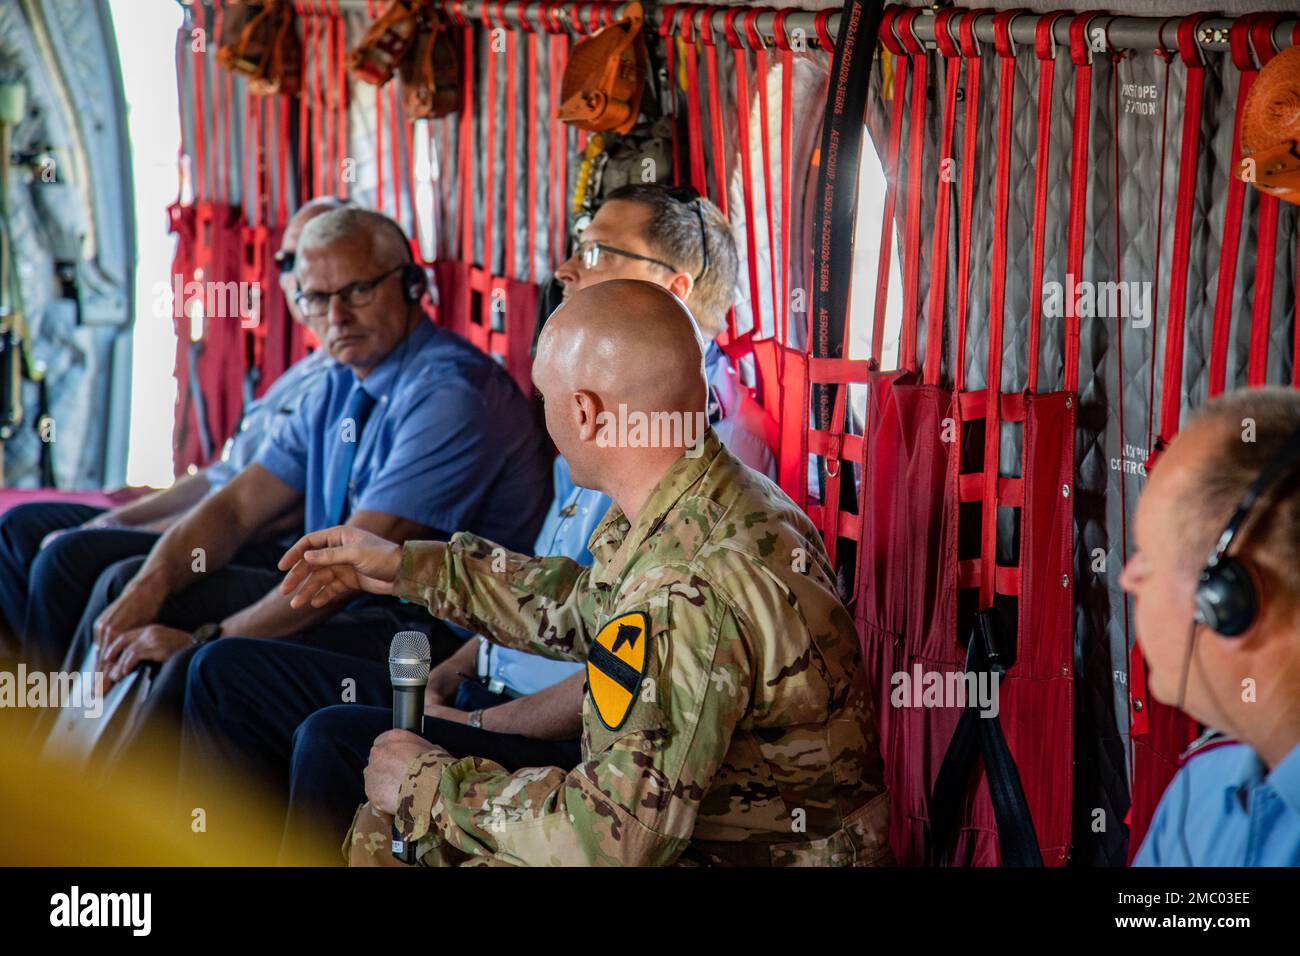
977 737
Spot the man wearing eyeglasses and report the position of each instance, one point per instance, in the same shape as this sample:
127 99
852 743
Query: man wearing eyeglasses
413 432
52 552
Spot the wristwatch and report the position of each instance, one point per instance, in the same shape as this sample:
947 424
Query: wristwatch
205 633
476 719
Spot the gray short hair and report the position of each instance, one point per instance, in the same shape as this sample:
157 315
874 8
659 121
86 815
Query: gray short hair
674 236
1252 426
387 239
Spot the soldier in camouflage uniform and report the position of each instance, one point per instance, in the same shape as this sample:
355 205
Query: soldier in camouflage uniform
726 718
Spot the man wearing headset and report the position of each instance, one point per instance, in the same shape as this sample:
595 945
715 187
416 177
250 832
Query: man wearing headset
1216 583
414 432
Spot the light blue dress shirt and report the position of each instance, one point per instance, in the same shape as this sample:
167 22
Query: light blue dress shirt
264 416
451 443
1224 808
573 517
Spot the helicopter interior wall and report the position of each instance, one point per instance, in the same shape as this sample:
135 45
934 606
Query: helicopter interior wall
72 215
1137 105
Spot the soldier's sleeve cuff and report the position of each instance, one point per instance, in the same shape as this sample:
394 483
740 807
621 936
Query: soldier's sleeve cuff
418 791
417 576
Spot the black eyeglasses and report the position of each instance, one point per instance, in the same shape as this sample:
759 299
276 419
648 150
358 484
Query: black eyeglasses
590 251
355 295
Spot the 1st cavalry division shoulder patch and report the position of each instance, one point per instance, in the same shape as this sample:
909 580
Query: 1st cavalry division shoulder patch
616 664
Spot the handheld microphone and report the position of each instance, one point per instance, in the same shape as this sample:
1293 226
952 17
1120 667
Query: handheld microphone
408 670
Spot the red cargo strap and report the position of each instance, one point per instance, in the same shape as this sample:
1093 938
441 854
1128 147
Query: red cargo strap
344 89
510 268
1172 383
765 141
465 166
531 132
1045 50
943 197
787 173
970 135
1261 37
557 144
1081 54
694 124
667 25
716 127
892 152
915 157
997 298
489 158
746 163
220 124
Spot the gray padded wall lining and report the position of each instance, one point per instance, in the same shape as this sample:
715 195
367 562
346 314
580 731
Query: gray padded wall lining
1130 216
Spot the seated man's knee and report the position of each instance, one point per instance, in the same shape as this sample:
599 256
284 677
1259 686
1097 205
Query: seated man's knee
215 670
114 578
322 731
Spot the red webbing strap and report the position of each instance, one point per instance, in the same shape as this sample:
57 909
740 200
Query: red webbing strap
489 159
531 132
1239 47
1295 346
199 154
559 135
1165 55
372 10
997 298
667 23
943 198
282 164
965 214
765 146
1045 51
694 124
510 268
330 116
746 165
1172 384
889 40
221 128
465 163
341 119
836 448
1081 54
304 108
395 137
320 70
1261 36
223 157
912 219
716 126
787 173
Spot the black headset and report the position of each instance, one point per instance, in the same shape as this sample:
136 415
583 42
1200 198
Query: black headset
1227 595
415 281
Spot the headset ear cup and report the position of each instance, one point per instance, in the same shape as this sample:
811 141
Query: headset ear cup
414 282
1227 601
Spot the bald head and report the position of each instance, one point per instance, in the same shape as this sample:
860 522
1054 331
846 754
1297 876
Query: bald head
628 341
626 347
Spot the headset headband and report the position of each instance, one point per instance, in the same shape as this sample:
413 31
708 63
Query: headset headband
1276 471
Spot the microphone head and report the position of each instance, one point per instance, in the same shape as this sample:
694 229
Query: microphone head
408 658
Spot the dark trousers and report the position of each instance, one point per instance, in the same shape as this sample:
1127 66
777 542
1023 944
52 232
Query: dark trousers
300 722
44 591
363 632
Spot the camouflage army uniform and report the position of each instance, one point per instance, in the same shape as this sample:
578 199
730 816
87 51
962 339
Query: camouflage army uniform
750 738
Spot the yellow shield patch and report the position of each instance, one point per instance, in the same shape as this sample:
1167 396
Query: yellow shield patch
616 664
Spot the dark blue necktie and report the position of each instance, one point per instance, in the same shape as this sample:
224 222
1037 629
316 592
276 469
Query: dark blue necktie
358 409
